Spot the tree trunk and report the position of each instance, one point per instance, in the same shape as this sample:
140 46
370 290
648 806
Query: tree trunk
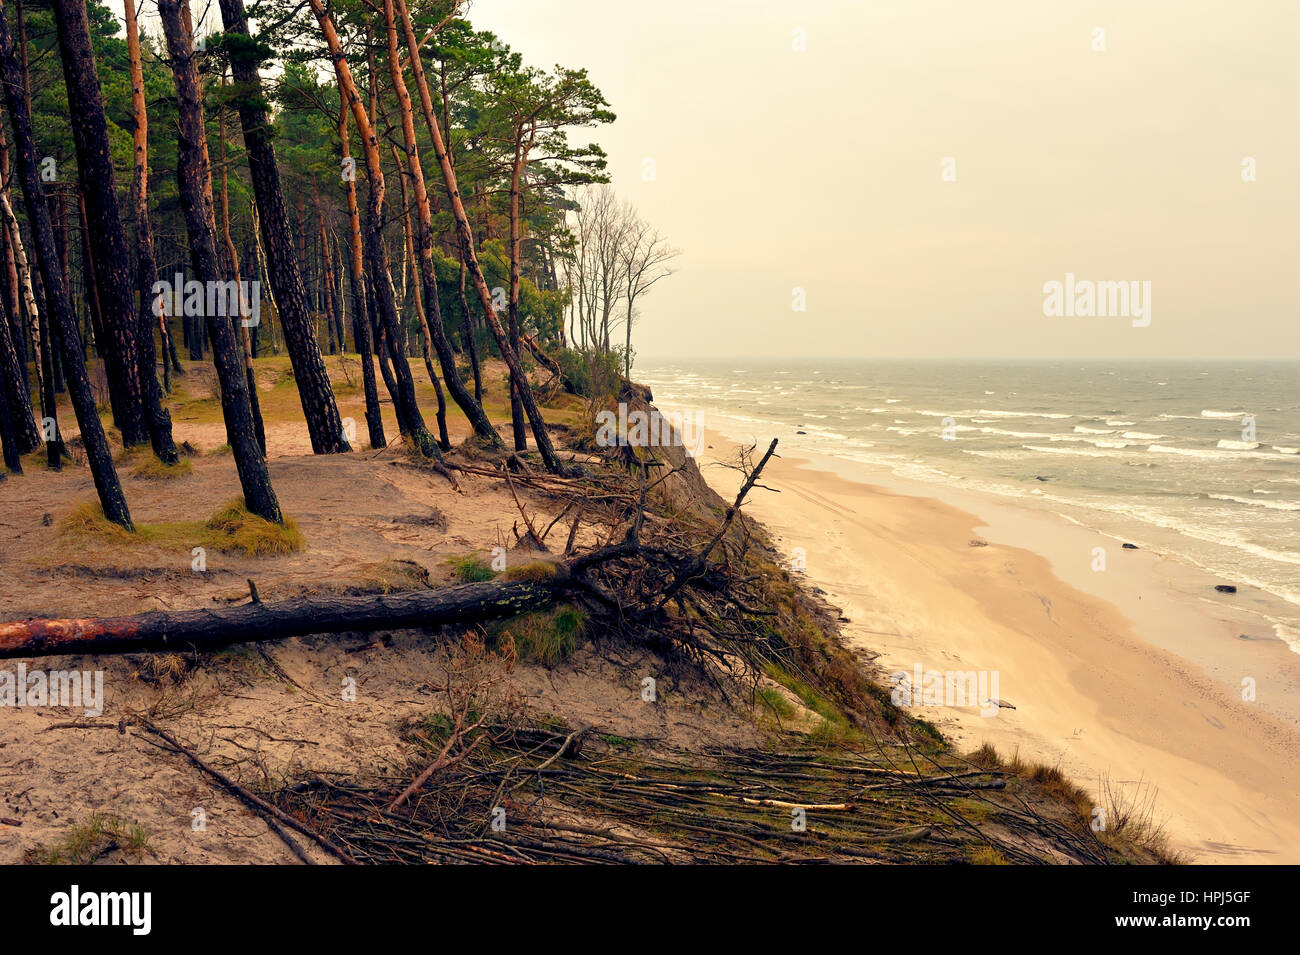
409 418
333 308
98 454
432 313
27 437
360 295
314 389
426 346
13 458
471 333
508 353
230 266
148 311
516 174
110 258
186 630
194 179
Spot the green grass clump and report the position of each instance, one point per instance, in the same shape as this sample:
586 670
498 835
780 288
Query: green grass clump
241 531
470 568
547 637
88 520
88 842
233 529
772 700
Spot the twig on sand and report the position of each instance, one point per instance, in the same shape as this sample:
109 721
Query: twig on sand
268 812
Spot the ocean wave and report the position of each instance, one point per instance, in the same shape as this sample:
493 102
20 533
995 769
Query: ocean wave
1288 635
1142 436
1078 452
1239 445
1021 414
1255 502
1116 423
1017 434
1080 429
1215 454
1224 414
1286 450
1086 439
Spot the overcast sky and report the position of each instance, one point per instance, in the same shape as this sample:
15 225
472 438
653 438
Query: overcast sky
821 169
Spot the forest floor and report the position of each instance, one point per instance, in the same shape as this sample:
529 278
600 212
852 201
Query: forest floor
332 728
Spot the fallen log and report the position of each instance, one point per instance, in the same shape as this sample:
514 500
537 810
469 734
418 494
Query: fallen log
195 629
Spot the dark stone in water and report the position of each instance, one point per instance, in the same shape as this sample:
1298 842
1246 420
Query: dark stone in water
1225 588
801 432
1039 477
1130 546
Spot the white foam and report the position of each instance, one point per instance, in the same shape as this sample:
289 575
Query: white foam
1224 414
1239 445
1271 505
1021 414
1080 452
1289 635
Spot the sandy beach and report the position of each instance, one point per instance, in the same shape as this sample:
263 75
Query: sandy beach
1125 678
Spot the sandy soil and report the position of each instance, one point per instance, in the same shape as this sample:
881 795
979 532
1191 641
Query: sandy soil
1095 687
273 711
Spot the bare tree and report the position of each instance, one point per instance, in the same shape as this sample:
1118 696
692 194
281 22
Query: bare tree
645 256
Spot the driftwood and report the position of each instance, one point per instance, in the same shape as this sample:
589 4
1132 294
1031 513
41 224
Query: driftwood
188 629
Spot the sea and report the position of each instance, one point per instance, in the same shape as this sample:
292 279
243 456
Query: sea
1198 459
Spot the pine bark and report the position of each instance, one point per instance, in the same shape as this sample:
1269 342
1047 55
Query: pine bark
114 286
194 178
230 266
314 389
360 294
147 312
409 418
432 315
466 235
94 440
185 630
18 400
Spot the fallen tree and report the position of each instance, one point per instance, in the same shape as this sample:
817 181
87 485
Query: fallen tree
629 582
195 629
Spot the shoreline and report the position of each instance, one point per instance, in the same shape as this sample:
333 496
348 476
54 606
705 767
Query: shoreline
1124 678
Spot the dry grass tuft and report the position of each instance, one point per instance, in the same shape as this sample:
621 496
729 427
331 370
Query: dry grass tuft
239 530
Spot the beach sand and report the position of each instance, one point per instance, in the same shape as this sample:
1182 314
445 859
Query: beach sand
1125 678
